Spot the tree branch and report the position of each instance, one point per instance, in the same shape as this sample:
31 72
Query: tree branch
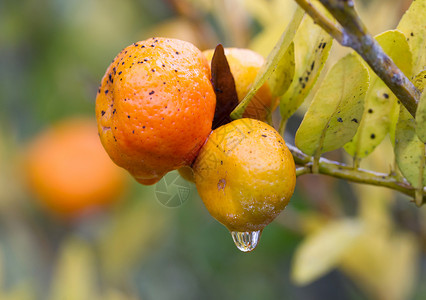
342 171
354 34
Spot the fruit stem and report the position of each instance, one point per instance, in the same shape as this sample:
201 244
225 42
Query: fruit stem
343 171
353 33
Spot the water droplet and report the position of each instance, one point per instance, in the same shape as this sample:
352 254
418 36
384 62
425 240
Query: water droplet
246 241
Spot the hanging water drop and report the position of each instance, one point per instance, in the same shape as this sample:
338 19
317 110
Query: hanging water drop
246 241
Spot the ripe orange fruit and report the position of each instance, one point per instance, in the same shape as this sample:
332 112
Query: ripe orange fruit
244 65
69 171
155 107
245 175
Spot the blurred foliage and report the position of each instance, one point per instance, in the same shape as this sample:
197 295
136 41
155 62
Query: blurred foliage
53 54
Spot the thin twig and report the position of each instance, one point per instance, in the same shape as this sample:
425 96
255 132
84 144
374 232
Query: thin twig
354 34
342 171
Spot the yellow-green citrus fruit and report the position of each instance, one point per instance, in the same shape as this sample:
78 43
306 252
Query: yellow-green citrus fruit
245 174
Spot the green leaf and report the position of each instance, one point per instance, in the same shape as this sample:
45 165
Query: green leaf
421 118
335 112
413 26
283 73
272 61
410 152
312 46
321 251
380 102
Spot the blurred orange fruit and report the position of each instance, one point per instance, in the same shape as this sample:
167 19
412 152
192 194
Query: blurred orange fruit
244 65
155 107
245 175
69 171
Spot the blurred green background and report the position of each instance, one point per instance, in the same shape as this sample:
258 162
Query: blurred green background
53 54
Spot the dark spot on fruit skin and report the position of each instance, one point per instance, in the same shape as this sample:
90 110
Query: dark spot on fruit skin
412 34
119 73
313 65
106 92
151 92
102 113
143 127
128 117
177 53
386 96
133 131
113 112
373 136
221 184
176 71
323 45
221 162
340 120
153 70
370 111
264 135
354 120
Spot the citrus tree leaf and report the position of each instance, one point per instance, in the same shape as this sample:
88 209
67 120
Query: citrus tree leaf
377 260
322 250
312 46
419 82
272 61
283 73
75 272
410 152
380 102
335 112
413 26
224 88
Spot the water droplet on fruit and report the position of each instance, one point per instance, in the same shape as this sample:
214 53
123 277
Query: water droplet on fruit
246 241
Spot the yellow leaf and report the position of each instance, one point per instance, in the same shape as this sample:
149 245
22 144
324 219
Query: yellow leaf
384 266
322 250
413 25
335 112
379 101
74 277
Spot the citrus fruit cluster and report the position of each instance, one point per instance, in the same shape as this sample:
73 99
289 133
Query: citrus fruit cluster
155 109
